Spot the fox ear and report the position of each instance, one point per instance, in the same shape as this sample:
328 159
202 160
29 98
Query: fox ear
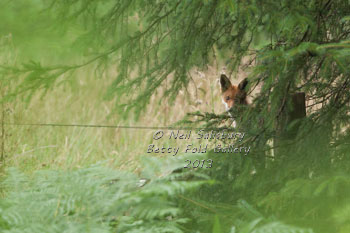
243 84
225 83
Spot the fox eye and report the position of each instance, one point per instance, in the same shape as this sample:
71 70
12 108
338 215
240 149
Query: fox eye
227 97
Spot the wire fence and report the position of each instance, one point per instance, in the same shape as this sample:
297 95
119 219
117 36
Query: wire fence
106 126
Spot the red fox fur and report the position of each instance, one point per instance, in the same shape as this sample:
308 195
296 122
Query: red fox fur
232 94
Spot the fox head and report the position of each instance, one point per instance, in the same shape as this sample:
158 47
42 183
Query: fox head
232 94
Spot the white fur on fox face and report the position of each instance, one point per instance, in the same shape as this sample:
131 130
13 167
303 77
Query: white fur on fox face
234 124
226 105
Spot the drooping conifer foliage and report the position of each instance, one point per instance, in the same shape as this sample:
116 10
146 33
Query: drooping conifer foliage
294 46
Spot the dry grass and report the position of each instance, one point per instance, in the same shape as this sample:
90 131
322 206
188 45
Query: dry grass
31 148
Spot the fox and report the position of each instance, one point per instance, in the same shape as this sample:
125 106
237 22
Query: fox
231 94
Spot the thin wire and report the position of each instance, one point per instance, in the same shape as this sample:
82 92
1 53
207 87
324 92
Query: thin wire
106 126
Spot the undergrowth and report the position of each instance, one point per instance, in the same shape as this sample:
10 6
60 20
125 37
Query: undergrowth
101 199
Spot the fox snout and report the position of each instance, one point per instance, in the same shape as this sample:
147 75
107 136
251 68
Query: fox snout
232 94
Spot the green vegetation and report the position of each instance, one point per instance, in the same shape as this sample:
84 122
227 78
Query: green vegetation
155 63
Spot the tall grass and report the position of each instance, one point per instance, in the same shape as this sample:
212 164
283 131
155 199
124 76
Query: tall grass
81 102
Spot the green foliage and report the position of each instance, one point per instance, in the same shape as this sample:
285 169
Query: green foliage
93 199
99 199
297 46
294 46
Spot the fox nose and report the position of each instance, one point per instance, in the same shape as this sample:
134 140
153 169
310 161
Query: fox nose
229 108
